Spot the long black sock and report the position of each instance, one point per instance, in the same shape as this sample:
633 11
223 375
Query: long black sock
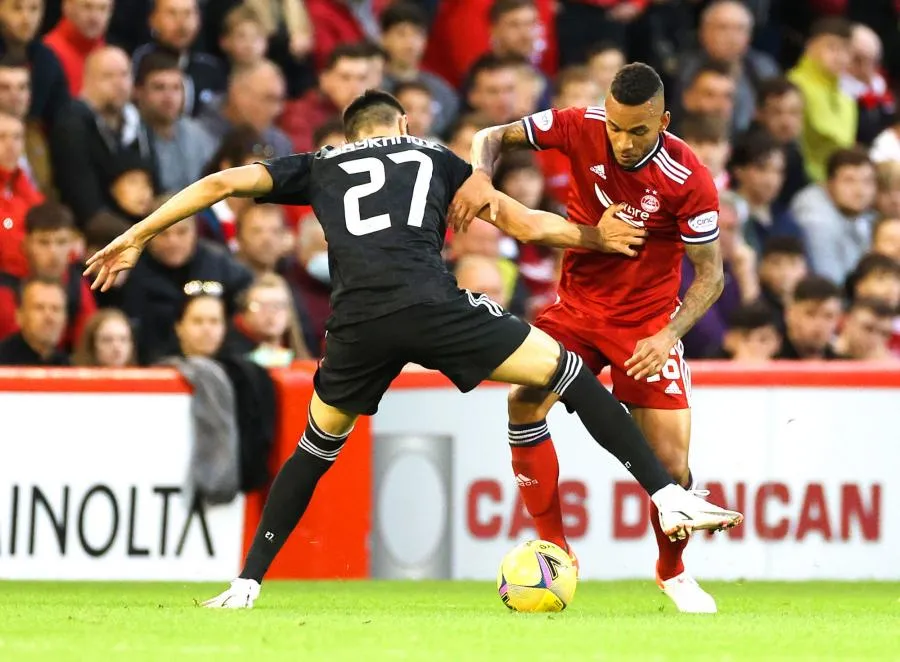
289 497
608 422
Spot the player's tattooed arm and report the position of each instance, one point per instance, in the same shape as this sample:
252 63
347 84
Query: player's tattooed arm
488 144
478 193
708 283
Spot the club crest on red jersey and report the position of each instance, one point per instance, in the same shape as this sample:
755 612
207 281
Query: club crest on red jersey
650 203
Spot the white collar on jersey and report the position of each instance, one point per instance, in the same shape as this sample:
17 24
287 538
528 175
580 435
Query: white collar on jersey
644 161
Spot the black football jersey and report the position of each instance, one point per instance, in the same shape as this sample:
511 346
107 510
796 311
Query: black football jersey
382 203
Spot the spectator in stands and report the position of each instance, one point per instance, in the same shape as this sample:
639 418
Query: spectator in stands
781 266
342 80
255 98
574 86
866 332
243 37
811 319
15 99
478 273
876 277
260 238
404 33
864 83
341 23
289 33
94 133
200 326
779 111
726 27
837 218
752 335
175 25
41 317
531 90
99 231
48 246
603 61
757 162
19 196
265 328
181 146
886 238
887 181
81 30
131 189
153 293
710 91
493 88
107 341
830 116
330 133
707 135
19 23
377 58
741 282
461 133
416 99
241 146
582 23
310 277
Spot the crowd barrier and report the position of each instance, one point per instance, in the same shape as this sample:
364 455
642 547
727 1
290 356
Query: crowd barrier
93 466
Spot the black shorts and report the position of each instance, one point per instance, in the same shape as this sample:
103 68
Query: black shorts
466 339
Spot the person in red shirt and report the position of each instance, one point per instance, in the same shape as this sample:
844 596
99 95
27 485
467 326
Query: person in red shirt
612 309
80 31
340 22
48 245
18 196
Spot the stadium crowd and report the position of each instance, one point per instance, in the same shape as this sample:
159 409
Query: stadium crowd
108 107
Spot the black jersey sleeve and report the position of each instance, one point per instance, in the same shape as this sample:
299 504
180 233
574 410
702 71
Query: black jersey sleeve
291 177
458 170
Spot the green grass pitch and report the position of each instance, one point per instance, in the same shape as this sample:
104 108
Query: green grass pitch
444 621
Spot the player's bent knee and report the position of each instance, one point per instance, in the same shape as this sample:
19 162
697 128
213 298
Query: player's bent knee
527 404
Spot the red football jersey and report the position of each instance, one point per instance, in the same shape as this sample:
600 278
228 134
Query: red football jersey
669 192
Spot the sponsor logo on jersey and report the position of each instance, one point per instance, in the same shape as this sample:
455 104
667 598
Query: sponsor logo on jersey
630 213
599 170
704 222
543 120
650 203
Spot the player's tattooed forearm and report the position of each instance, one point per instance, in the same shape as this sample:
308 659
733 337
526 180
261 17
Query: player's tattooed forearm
709 280
490 143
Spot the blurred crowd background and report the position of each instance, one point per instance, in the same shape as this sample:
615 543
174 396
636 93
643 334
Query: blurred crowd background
108 107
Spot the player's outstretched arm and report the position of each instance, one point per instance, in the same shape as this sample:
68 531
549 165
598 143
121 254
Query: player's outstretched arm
477 191
540 227
123 253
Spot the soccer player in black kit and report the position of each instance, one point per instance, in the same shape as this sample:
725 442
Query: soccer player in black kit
382 201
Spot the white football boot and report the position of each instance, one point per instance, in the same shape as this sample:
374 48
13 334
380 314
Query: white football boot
681 512
240 595
687 595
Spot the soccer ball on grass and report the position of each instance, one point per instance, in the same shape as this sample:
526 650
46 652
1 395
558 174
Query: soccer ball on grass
537 576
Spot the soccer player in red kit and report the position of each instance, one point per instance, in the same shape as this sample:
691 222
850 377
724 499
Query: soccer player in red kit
618 310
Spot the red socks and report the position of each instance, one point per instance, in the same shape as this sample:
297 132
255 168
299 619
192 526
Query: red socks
669 564
536 469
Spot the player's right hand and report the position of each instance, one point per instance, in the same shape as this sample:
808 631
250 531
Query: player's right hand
476 193
118 256
618 236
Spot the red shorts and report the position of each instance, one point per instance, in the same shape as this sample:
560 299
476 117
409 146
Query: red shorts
601 344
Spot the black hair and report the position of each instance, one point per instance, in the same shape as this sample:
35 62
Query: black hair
704 128
49 216
12 61
753 148
846 158
156 61
715 67
412 86
774 88
783 245
873 263
238 145
370 49
475 120
816 288
751 316
333 125
877 307
636 83
832 26
502 7
349 51
372 108
404 12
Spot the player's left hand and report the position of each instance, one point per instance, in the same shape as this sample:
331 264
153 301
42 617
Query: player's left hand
475 193
651 354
